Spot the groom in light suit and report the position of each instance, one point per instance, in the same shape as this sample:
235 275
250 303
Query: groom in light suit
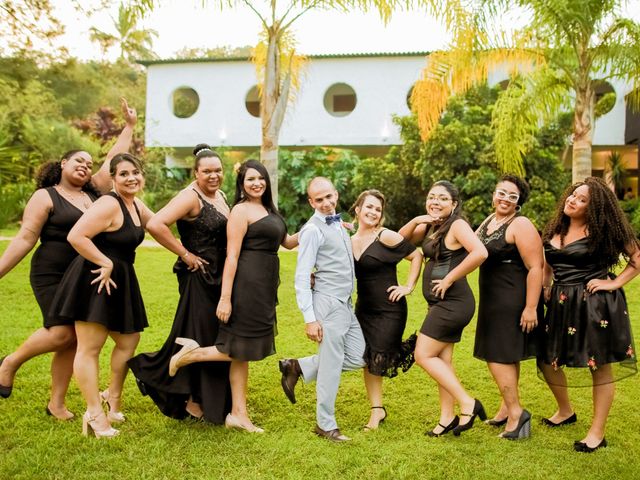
325 251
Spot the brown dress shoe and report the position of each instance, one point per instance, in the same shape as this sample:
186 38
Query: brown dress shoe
290 369
331 435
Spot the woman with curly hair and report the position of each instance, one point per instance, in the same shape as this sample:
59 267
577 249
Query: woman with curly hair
587 321
66 189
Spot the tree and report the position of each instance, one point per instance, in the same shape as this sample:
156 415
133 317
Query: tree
132 41
22 22
555 60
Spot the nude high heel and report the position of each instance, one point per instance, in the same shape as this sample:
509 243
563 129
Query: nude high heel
233 422
112 415
188 345
88 424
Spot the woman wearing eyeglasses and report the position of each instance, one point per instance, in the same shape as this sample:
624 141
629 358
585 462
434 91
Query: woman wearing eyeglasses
509 307
453 251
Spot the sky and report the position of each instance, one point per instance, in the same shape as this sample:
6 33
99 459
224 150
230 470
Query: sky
185 23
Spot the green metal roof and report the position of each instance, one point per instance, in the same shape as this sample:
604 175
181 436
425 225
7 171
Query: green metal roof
169 61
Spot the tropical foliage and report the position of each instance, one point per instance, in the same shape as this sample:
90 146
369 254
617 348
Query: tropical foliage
555 59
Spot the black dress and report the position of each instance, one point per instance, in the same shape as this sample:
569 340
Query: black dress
503 296
446 317
207 383
53 256
250 333
122 311
383 321
582 329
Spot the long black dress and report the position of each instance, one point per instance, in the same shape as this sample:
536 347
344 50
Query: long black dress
53 256
207 383
582 329
503 296
250 333
382 321
447 316
122 311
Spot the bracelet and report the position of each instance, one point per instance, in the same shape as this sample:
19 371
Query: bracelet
185 254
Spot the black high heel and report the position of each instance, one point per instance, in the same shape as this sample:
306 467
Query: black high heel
478 411
567 421
496 423
453 424
523 430
367 427
584 448
5 392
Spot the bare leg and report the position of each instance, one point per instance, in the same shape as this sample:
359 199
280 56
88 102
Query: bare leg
373 383
61 372
603 393
506 377
125 347
239 379
91 338
43 340
557 382
436 359
204 354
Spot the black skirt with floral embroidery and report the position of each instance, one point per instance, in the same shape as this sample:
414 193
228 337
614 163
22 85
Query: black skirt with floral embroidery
582 329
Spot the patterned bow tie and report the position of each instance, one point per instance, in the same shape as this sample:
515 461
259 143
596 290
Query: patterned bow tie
332 218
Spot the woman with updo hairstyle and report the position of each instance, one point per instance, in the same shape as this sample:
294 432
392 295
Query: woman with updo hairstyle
65 190
101 294
509 307
381 307
453 251
587 326
200 212
248 298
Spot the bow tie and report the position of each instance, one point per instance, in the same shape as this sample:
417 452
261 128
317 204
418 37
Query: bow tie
332 218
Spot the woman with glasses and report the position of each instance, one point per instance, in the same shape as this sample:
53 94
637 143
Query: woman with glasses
509 307
453 251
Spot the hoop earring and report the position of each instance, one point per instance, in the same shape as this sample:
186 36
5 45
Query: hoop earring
518 208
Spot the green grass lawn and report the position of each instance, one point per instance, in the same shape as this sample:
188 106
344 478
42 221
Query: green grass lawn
151 446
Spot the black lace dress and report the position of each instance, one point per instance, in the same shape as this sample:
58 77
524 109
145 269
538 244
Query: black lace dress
250 332
53 256
503 296
78 300
207 383
382 321
447 316
582 329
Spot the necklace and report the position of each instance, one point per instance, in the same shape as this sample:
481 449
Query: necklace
217 201
82 198
497 223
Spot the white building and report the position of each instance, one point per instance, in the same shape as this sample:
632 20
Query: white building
345 101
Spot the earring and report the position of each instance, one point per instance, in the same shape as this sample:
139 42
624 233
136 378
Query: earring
518 208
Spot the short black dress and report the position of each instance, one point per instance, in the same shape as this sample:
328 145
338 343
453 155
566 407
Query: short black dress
446 317
503 297
53 256
382 321
207 383
582 329
122 311
250 333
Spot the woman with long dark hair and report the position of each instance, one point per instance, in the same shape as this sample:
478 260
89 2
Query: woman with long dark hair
509 308
200 213
587 327
453 251
247 306
65 190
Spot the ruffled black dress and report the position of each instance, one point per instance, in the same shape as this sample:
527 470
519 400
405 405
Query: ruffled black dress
581 329
77 300
250 333
447 316
207 383
503 296
53 256
382 321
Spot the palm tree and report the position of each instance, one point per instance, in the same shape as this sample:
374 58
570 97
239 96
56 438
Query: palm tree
133 42
555 60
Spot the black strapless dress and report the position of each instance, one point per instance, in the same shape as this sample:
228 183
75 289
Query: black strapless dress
447 316
582 329
250 333
207 383
382 321
54 254
77 300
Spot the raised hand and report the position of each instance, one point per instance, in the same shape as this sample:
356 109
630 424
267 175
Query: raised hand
129 113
